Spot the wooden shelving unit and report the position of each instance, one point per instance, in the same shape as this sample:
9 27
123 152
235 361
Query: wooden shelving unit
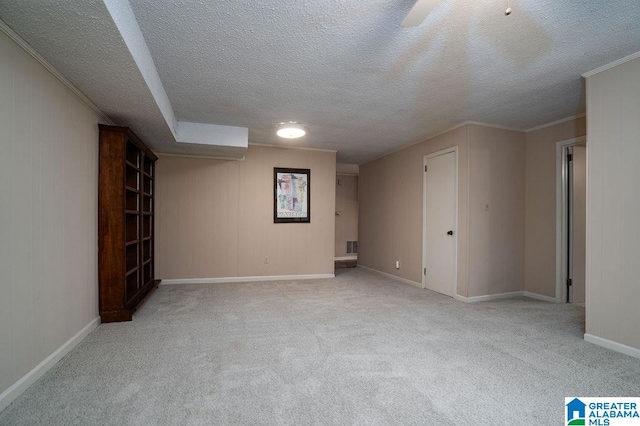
125 223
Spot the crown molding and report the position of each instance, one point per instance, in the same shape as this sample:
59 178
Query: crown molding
493 126
31 51
167 154
442 132
208 157
554 123
611 65
302 148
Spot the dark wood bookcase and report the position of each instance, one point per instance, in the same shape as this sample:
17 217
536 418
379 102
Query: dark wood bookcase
125 223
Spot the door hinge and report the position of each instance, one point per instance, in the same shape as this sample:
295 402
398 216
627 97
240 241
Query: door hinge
425 168
425 271
569 282
569 157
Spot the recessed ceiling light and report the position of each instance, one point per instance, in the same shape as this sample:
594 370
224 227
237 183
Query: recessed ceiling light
290 130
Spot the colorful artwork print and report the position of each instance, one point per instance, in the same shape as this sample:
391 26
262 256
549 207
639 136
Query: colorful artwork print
291 191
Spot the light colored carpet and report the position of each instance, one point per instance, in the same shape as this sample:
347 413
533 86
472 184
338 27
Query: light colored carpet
357 349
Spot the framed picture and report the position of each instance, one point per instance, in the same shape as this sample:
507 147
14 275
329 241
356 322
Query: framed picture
291 190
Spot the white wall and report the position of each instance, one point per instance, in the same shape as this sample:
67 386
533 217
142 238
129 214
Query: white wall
613 207
48 215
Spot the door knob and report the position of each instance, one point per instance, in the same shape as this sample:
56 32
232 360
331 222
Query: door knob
450 233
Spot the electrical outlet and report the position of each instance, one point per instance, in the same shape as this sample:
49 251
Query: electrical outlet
266 260
397 264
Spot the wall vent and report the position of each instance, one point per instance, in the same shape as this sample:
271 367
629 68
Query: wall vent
352 247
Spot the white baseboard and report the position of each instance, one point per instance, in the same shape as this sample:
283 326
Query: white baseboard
394 277
487 297
346 258
14 391
539 297
508 295
614 346
245 279
472 299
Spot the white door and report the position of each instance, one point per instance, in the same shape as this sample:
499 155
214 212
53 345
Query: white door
577 204
439 228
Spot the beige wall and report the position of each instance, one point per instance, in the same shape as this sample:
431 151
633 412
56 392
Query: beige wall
48 214
540 204
613 205
390 219
215 218
496 211
490 253
347 205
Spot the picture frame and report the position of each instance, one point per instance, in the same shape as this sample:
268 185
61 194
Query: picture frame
291 195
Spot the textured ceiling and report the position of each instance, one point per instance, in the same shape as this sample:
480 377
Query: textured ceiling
360 83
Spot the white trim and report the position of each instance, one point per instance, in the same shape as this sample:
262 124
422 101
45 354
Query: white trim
454 150
467 123
508 295
393 277
435 135
440 133
209 157
467 265
129 31
346 258
488 297
611 65
212 135
245 279
561 249
494 126
301 148
30 50
554 123
539 297
14 391
614 346
347 174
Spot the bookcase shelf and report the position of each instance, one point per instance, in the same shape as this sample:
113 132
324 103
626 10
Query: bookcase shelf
125 223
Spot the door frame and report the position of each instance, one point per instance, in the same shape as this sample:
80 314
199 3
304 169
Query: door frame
562 203
454 150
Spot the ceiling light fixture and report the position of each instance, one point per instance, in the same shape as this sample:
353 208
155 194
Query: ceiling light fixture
507 12
291 130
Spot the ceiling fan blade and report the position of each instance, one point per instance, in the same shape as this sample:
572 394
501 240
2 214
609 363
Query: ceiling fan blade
419 12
